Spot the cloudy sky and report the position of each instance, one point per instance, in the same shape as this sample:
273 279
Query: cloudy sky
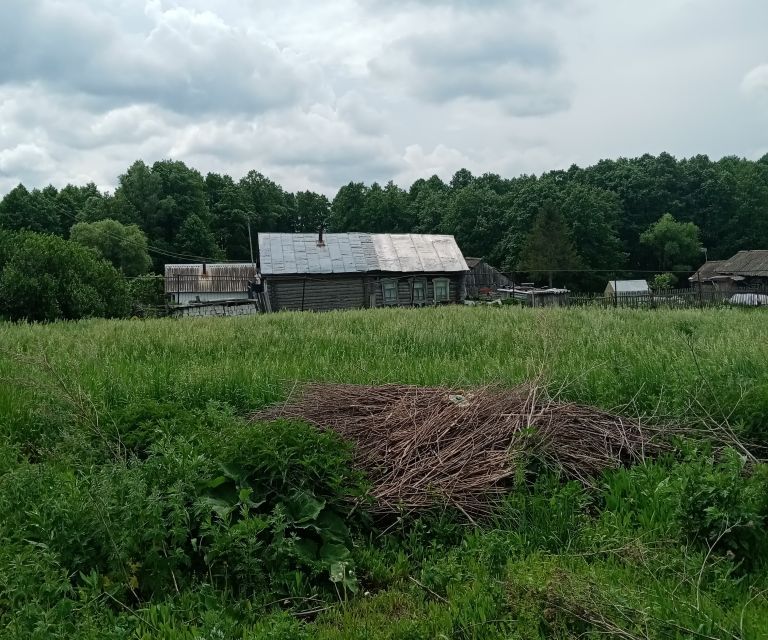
315 94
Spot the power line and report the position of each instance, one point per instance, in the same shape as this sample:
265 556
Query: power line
154 249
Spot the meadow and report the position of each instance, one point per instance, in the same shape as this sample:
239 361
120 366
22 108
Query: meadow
136 501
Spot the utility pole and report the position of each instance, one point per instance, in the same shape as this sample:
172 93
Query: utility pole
250 240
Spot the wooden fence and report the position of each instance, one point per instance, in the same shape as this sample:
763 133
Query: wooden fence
671 298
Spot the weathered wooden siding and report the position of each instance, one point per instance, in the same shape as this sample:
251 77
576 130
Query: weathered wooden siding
316 294
327 293
484 276
404 289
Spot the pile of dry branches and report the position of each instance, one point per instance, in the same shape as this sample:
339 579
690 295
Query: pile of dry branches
425 446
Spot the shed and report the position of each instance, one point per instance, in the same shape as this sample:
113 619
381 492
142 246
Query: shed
708 277
205 283
483 279
627 288
537 297
743 270
307 271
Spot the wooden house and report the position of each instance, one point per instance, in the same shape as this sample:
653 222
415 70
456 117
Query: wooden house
483 280
744 270
307 271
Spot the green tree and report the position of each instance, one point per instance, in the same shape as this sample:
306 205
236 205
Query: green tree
386 210
676 245
549 246
34 211
428 203
475 216
346 208
312 211
125 246
45 278
264 202
196 240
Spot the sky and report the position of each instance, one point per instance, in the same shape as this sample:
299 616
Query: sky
318 94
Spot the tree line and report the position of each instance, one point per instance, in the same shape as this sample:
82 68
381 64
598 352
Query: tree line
570 226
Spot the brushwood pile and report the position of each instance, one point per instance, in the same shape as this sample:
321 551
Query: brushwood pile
427 446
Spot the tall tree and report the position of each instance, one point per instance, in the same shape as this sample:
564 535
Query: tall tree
195 240
549 247
312 211
264 203
347 207
676 245
125 246
34 211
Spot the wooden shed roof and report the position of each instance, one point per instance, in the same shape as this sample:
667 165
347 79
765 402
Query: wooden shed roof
209 278
300 253
746 263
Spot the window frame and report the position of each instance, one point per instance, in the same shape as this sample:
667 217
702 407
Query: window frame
440 281
385 282
422 282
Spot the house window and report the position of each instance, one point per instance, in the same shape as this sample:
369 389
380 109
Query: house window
442 289
389 291
419 291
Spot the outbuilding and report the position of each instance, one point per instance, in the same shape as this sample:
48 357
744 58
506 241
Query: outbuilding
484 280
629 288
743 270
307 271
203 283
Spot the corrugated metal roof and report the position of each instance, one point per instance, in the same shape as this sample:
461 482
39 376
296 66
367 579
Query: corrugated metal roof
746 263
629 286
298 253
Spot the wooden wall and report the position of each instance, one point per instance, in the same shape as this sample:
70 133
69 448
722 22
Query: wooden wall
310 294
483 275
325 293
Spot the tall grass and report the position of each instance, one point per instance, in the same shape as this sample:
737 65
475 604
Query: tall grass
118 438
671 362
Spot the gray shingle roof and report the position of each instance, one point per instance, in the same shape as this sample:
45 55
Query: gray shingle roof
746 263
298 253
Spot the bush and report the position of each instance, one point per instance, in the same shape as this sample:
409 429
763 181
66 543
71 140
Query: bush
46 278
147 295
258 509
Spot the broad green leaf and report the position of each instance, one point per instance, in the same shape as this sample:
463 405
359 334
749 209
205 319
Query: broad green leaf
333 552
303 507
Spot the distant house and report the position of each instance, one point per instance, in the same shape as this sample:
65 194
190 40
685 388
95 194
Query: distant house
626 288
208 283
744 270
306 271
483 279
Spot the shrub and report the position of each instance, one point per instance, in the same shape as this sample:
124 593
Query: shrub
147 295
48 278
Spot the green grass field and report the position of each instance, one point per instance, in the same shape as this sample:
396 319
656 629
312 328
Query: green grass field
114 434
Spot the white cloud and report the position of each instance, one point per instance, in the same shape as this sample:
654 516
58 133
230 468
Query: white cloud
756 81
185 60
318 94
489 57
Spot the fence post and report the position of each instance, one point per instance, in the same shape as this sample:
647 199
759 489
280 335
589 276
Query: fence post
698 278
615 292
